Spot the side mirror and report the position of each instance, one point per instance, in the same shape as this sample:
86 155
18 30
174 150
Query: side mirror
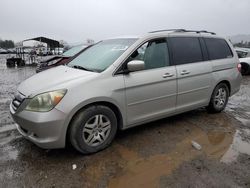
135 65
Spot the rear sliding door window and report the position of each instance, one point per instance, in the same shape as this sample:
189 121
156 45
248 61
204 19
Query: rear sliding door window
186 50
218 48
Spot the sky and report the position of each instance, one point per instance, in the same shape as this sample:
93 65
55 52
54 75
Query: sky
75 21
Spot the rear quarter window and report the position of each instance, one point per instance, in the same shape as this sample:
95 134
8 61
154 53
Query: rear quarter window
218 48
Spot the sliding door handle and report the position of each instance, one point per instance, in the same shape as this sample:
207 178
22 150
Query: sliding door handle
184 72
167 75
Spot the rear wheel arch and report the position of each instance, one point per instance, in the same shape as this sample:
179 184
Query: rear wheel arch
227 83
218 101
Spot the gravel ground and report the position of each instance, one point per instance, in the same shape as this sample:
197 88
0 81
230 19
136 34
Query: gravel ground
158 154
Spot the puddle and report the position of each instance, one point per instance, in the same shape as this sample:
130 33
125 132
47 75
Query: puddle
146 172
240 145
125 166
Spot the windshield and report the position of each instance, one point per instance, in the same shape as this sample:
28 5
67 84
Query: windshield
73 51
101 55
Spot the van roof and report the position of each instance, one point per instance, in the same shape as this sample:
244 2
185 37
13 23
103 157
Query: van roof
164 32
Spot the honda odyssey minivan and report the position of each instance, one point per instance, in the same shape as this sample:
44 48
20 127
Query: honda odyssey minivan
124 82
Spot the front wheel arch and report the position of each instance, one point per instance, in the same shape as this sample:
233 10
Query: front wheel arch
110 105
78 125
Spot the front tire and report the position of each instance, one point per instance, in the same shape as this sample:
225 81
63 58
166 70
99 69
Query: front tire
219 98
93 129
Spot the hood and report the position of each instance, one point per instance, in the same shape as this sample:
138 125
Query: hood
51 79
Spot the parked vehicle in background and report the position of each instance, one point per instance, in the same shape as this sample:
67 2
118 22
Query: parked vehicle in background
3 51
124 82
11 51
242 52
7 51
244 57
59 59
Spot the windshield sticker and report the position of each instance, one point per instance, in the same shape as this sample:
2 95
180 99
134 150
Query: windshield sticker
119 48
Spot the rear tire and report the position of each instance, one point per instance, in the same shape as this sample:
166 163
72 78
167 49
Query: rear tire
245 69
219 98
93 129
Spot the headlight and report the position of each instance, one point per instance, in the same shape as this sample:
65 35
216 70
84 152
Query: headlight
46 101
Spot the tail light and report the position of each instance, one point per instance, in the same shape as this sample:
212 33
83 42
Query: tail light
239 67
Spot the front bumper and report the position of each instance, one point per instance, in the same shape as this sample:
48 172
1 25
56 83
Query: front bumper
45 129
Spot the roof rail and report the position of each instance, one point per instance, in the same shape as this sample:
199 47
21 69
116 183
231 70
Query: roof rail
184 30
174 30
201 31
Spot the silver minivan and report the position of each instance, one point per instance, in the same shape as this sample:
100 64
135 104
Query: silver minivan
124 82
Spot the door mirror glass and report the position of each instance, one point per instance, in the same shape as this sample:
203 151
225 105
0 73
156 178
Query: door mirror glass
135 65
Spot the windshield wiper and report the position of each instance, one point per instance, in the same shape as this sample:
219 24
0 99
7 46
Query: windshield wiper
80 67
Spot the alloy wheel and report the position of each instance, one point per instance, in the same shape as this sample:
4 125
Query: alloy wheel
220 97
96 130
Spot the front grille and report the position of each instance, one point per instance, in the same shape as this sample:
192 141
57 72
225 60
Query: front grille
17 101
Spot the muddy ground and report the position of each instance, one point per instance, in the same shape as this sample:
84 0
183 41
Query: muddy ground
157 154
